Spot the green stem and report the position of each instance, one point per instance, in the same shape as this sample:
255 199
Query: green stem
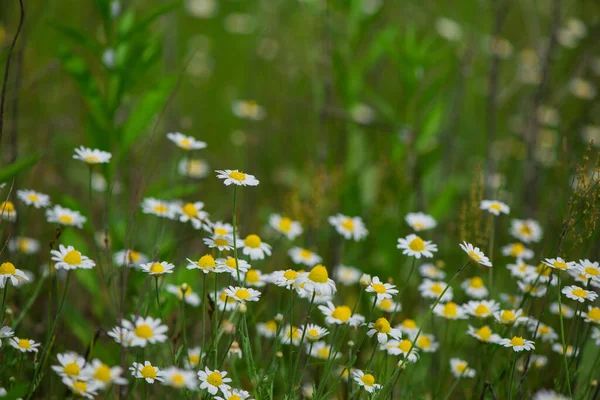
491 252
310 307
204 311
5 291
562 338
512 374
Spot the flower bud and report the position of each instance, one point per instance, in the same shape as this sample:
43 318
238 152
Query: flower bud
365 280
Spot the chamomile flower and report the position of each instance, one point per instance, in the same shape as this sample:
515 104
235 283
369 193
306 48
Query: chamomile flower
8 272
314 332
576 293
366 381
291 334
24 345
427 343
460 368
129 258
82 388
570 351
255 248
544 332
475 288
475 254
248 109
71 364
494 207
431 271
450 310
481 308
65 216
382 328
222 243
517 343
33 198
285 278
157 268
121 335
539 361
483 334
242 295
184 292
521 270
255 278
404 348
224 302
213 380
388 305
160 208
179 378
527 230
567 311
511 299
304 256
286 226
235 394
267 329
347 275
92 156
194 355
340 315
192 212
510 317
147 371
104 375
408 326
193 167
592 315
590 269
317 281
68 258
24 245
382 290
547 394
414 246
420 222
433 289
349 227
532 290
517 250
219 228
185 142
229 265
322 351
5 333
235 177
145 331
559 264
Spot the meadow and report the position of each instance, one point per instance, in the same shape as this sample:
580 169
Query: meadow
299 199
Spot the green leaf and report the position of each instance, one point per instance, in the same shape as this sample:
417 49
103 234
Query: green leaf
11 170
147 19
77 36
427 138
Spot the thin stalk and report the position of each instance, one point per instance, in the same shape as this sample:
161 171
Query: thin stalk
562 339
5 292
512 374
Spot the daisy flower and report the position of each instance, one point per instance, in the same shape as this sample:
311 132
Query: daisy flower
213 380
347 275
193 167
285 278
160 208
382 328
121 335
526 230
539 360
286 226
103 374
388 305
255 248
68 258
147 371
570 351
129 258
340 315
420 222
517 343
33 198
432 272
475 254
194 355
382 290
241 294
511 299
5 333
475 288
460 368
450 310
427 343
510 317
248 109
145 330
432 290
222 243
321 350
349 227
314 332
408 326
229 265
592 315
235 394
255 278
24 345
82 388
559 264
24 245
268 329
65 216
92 156
517 250
184 291
366 381
576 293
304 256
317 281
8 272
219 228
185 142
179 378
206 264
483 334
291 333
71 364
590 269
236 177
521 269
532 290
567 311
544 332
192 212
402 348
494 207
414 246
481 308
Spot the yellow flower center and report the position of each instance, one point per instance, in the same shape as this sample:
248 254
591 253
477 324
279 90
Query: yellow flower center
71 369
382 325
368 379
313 332
161 208
579 292
450 309
102 373
134 256
7 207
461 367
252 241
323 352
237 176
294 333
517 341
92 159
517 249
252 276
73 257
543 270
474 255
417 244
525 230
508 316
560 265
194 359
221 242
221 231
23 245
242 294
190 210
24 343
594 314
285 224
215 379
348 224
271 326
33 197
476 282
306 254
419 226
157 268
234 397
7 268
65 219
424 342
484 333
409 323
379 288
591 271
318 274
544 330
495 206
405 345
185 143
223 296
385 304
290 274
178 380
436 288
80 387
482 310
144 331
207 262
342 313
148 372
